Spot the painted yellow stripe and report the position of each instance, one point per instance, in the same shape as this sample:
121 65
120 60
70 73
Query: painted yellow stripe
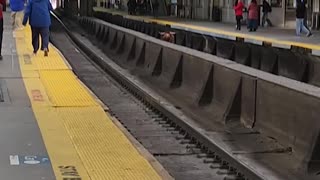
104 149
64 90
221 32
240 35
80 137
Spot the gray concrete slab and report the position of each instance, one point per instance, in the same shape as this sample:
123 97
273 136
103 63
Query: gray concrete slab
20 137
9 66
16 92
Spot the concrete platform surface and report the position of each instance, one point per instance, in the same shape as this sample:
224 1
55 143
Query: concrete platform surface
23 154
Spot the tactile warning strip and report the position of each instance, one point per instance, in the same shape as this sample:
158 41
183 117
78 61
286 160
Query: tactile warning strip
104 149
64 89
53 62
75 129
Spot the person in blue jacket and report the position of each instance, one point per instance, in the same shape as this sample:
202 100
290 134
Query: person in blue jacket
38 14
17 7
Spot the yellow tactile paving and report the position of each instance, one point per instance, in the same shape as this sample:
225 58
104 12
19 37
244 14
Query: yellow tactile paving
78 134
26 62
64 89
37 92
102 146
59 146
53 62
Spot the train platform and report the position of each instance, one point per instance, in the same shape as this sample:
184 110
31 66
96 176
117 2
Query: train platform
276 37
53 127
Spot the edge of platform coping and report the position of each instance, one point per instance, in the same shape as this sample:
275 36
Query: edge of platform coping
253 41
61 55
282 46
104 107
230 37
315 52
161 171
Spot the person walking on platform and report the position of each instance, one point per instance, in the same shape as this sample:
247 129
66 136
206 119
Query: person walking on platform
266 9
238 7
38 13
300 15
17 7
2 4
253 16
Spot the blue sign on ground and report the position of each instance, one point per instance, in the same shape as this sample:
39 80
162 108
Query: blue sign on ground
30 160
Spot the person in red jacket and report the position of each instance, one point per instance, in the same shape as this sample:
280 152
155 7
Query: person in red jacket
2 5
238 7
253 16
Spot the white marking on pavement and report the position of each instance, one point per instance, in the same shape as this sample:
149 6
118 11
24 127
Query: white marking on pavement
31 160
14 160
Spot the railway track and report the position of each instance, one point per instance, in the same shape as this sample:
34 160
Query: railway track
182 148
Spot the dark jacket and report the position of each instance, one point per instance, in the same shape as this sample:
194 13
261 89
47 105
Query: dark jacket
266 7
38 13
16 5
156 4
300 10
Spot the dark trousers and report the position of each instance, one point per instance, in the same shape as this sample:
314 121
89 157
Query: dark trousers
44 33
238 18
253 24
1 35
155 12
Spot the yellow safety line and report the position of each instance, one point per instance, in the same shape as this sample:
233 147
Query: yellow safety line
240 35
222 32
81 139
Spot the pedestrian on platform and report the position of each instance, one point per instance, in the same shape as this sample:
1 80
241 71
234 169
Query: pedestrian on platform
155 8
266 9
2 4
17 7
238 8
300 16
253 16
38 13
132 4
